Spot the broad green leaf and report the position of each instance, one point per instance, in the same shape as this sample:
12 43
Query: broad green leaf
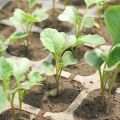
28 18
17 36
89 22
49 68
32 3
35 77
70 41
112 21
52 40
18 18
40 15
69 14
5 69
20 66
94 58
68 59
91 39
114 57
3 99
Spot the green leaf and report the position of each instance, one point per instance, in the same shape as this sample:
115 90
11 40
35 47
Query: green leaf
32 3
52 40
70 41
112 21
5 69
89 22
40 15
68 59
18 18
20 66
3 99
28 18
17 36
114 57
94 58
49 68
91 39
70 15
35 77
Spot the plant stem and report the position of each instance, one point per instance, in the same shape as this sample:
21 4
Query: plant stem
102 88
100 17
12 106
53 6
65 3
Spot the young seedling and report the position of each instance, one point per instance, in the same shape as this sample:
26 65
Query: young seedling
15 81
71 15
13 38
58 43
109 71
99 4
25 21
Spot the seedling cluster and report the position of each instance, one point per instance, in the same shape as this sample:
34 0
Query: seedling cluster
17 76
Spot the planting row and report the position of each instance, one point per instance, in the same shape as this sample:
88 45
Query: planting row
17 76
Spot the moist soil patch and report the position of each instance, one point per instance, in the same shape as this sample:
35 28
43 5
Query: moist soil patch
8 9
40 96
80 3
90 109
81 68
35 49
6 30
7 115
53 22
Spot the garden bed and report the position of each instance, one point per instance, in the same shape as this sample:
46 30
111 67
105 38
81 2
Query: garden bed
66 102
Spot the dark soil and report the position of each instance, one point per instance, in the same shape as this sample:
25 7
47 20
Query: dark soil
81 68
102 32
35 49
53 22
8 10
6 30
75 2
40 96
90 109
7 115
